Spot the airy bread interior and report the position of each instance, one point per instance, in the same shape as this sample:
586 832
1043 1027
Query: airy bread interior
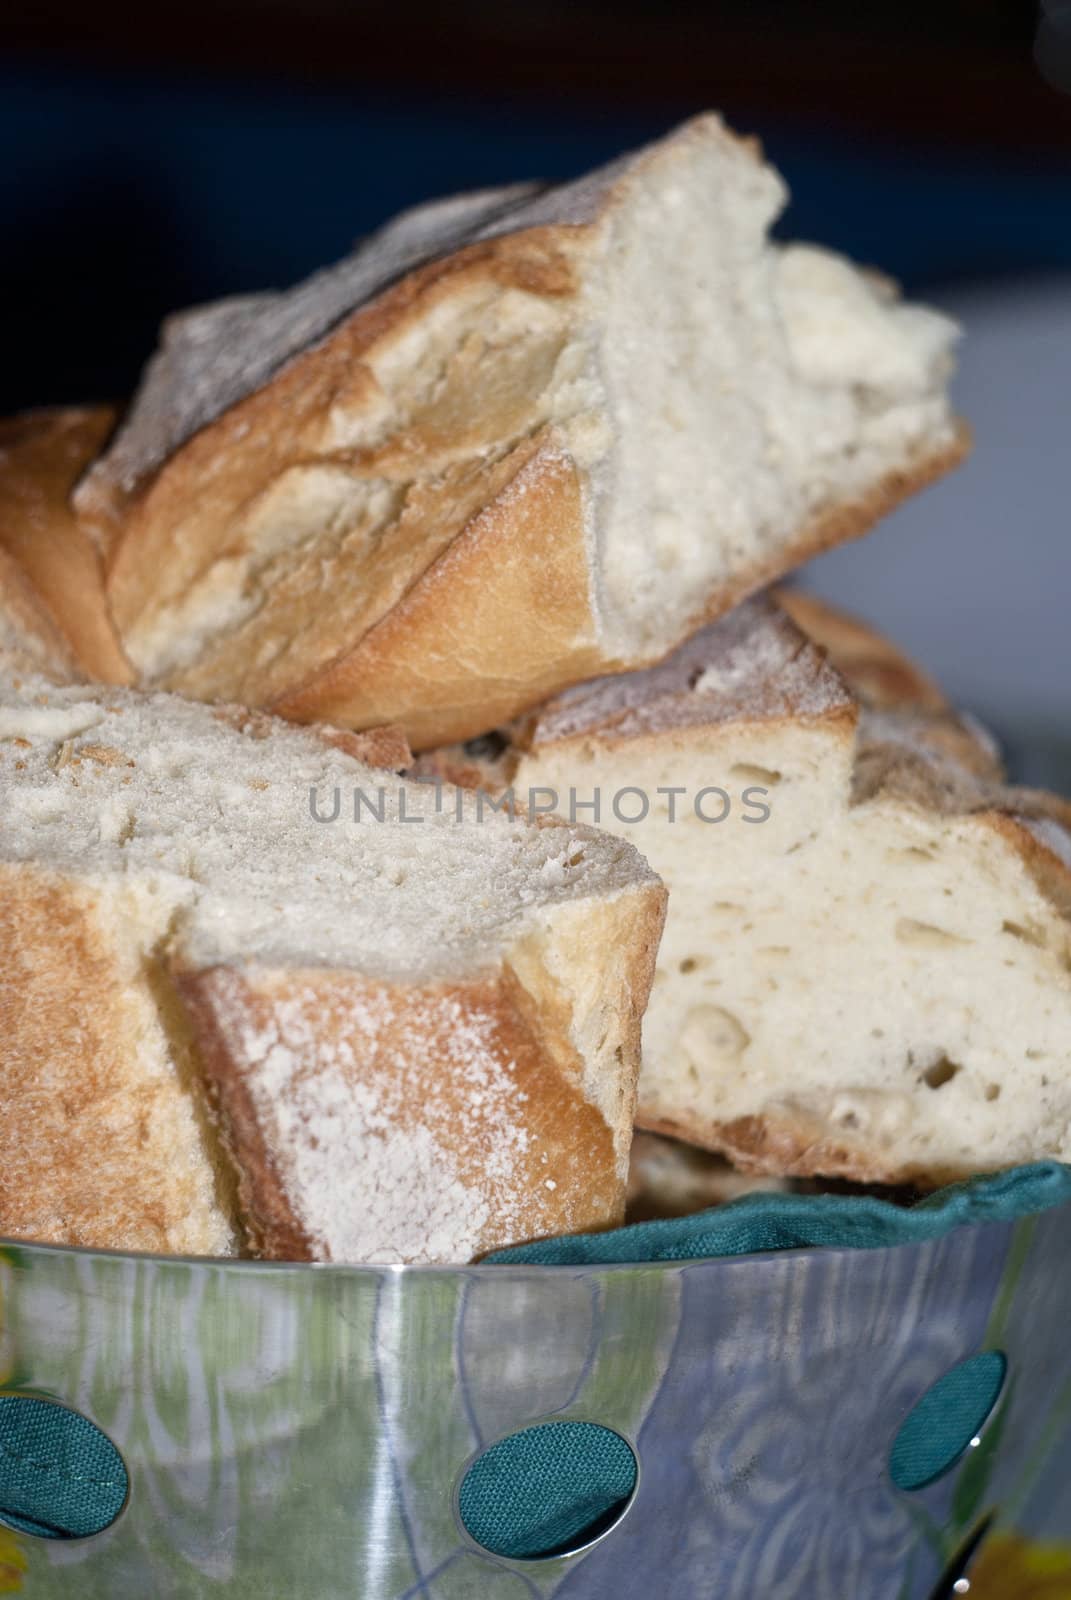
866 968
750 389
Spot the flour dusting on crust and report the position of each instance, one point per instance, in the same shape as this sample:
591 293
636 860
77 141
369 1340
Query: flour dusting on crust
752 664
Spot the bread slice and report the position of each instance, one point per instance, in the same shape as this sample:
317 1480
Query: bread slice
517 439
866 969
42 456
229 1022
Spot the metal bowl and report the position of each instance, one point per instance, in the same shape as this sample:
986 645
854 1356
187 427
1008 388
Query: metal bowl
299 1433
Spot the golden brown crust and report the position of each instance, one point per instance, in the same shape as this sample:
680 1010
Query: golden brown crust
269 1226
1038 827
42 455
448 662
96 1147
788 1144
235 458
403 1059
30 644
454 658
521 236
449 618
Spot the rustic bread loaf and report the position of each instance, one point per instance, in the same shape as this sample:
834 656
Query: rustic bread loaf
517 439
44 549
226 1025
866 969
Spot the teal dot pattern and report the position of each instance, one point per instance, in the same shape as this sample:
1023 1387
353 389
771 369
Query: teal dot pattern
940 1426
547 1490
60 1476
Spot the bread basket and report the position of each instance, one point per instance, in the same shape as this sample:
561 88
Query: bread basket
301 1433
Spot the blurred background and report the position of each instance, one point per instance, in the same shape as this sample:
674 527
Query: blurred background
161 157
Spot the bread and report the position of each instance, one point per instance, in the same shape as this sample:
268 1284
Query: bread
29 641
42 456
866 970
517 439
225 1025
669 1179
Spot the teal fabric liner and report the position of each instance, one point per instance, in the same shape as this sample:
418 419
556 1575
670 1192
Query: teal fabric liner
762 1222
942 1424
546 1489
60 1476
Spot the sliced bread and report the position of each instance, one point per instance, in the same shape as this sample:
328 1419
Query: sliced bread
517 439
228 1022
866 970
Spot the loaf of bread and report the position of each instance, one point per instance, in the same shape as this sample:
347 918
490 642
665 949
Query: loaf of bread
866 970
228 1022
517 439
45 553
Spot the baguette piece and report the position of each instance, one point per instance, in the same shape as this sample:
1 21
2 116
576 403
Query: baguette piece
866 970
517 439
42 456
225 1024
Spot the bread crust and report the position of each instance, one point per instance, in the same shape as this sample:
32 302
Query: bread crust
98 1147
453 659
566 1135
789 1144
900 742
30 644
568 1148
488 615
42 456
450 659
224 466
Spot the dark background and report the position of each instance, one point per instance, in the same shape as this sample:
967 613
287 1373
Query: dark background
158 157
168 155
